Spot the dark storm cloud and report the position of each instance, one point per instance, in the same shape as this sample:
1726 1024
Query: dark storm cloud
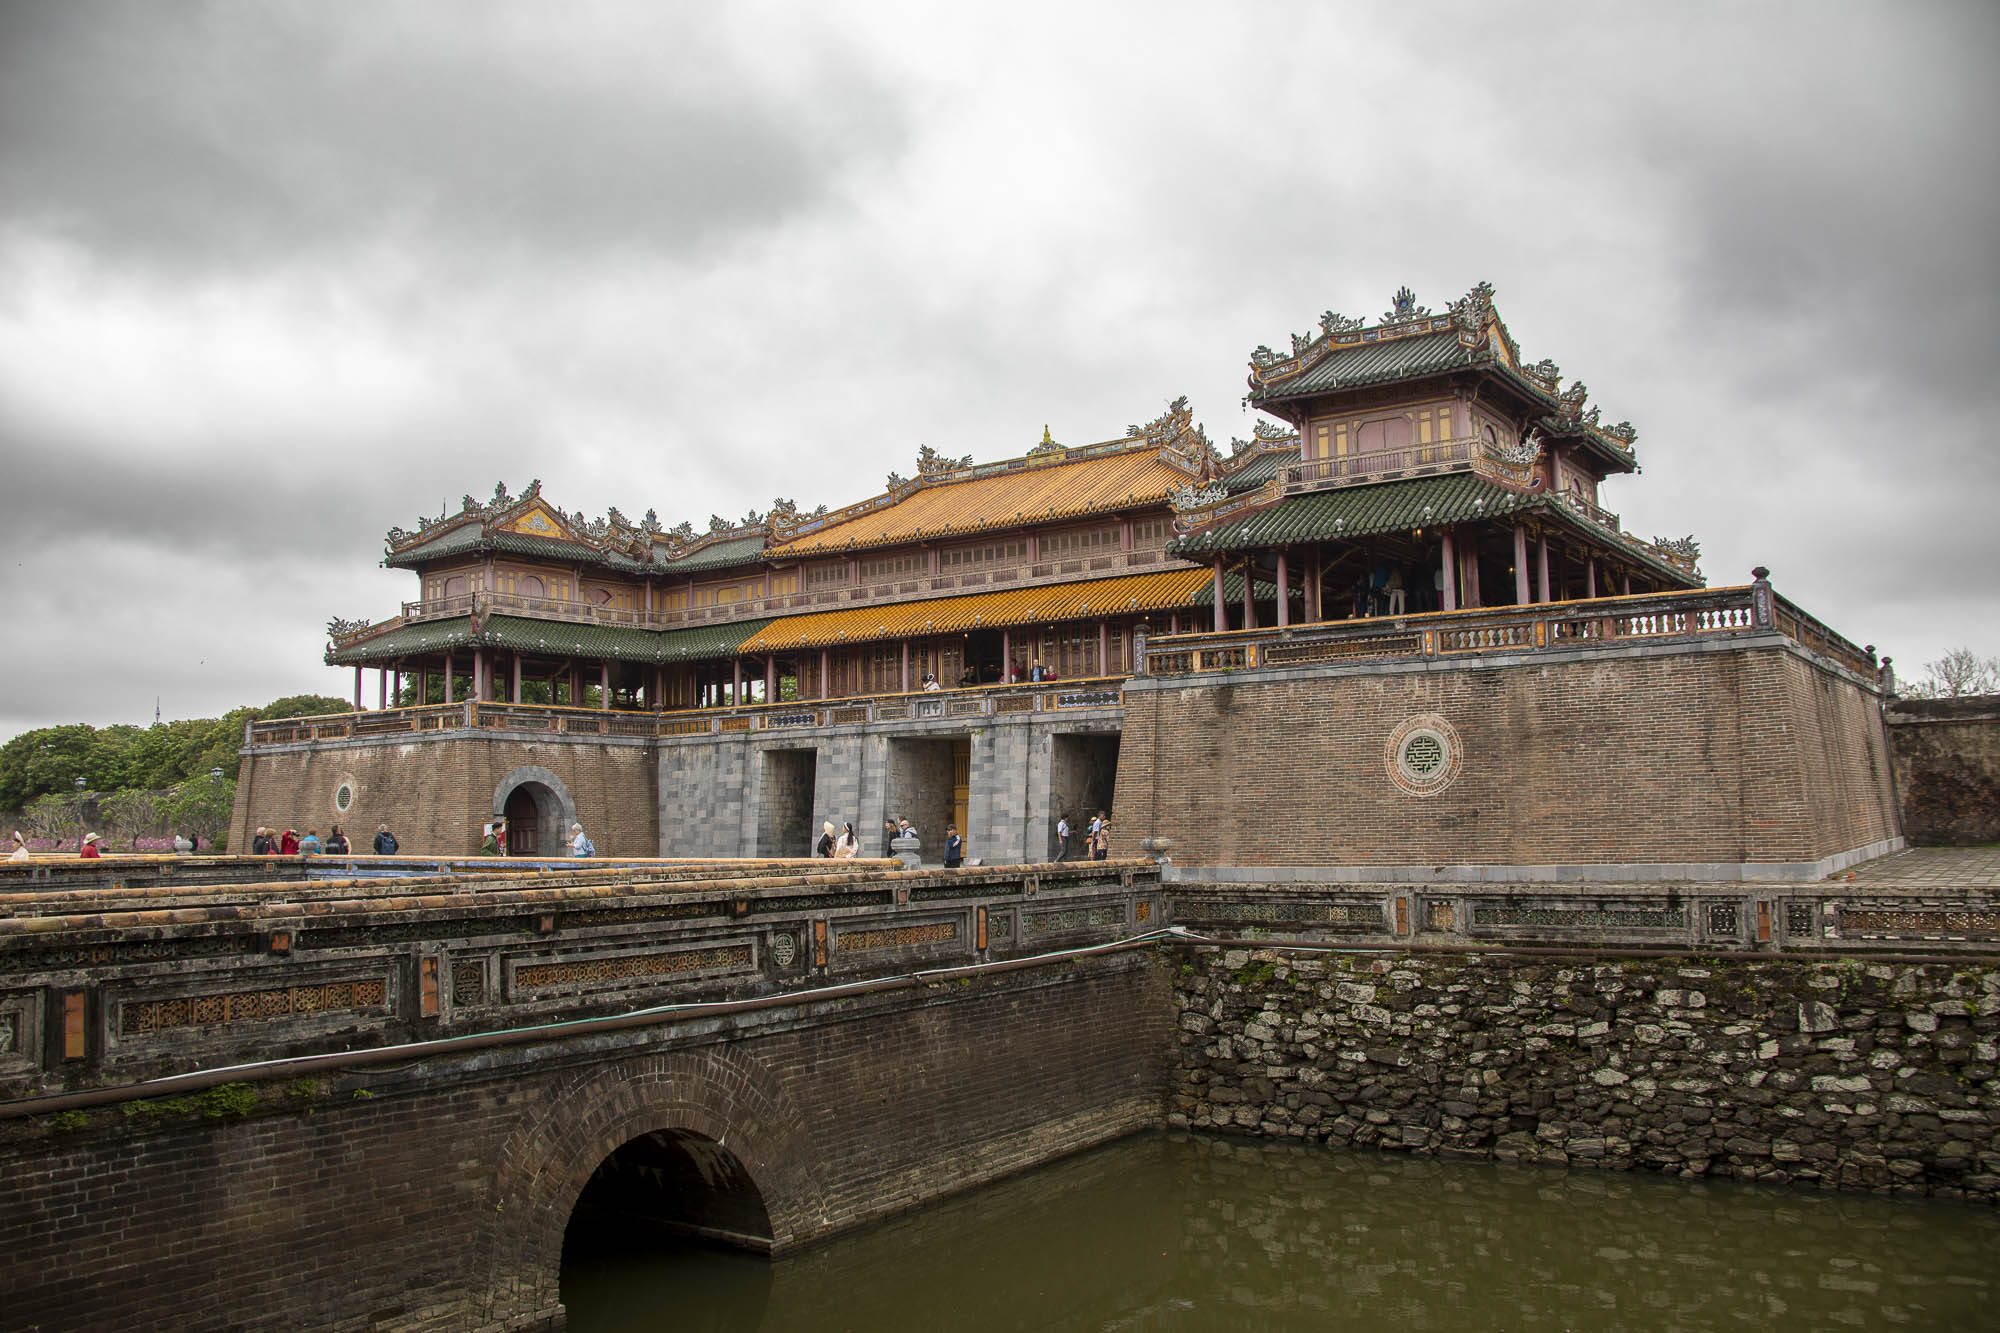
225 134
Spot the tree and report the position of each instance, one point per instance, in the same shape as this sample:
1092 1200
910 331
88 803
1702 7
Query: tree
201 805
1959 672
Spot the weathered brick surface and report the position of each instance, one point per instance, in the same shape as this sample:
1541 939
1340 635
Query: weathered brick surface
1947 754
435 1196
1663 755
1874 1076
434 793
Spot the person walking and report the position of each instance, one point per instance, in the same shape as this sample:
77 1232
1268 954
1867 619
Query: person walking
824 847
490 844
580 843
954 848
310 845
261 845
336 842
88 851
845 847
20 852
1100 841
1062 837
385 841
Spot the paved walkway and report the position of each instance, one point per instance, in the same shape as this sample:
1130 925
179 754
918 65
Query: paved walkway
1932 868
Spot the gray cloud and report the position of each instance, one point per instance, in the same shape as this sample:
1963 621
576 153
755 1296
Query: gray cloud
232 133
275 277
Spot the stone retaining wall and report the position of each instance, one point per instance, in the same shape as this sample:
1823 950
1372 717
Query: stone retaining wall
1848 1074
1947 756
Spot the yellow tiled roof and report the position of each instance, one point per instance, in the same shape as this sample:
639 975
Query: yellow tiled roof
1033 493
988 610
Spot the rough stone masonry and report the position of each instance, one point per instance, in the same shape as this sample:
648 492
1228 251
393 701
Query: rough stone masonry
1845 1074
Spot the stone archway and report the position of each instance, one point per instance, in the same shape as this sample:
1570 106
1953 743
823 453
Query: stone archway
720 1095
533 790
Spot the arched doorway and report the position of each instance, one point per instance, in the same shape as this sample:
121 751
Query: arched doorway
671 1219
537 807
524 820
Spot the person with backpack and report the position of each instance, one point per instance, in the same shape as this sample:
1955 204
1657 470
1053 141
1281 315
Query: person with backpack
580 843
954 848
385 841
336 842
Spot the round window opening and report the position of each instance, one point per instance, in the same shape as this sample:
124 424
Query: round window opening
1424 755
343 797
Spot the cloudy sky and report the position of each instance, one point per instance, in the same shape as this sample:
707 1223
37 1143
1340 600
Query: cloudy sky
275 277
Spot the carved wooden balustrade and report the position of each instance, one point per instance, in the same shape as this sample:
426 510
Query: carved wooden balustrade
970 702
1537 627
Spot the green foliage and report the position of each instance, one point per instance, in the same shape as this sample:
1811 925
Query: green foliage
121 759
231 1101
66 1121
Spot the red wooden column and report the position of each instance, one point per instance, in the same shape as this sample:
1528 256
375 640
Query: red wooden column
604 684
822 674
1103 647
1449 558
381 687
1521 564
770 678
1284 591
1221 611
735 681
447 677
357 687
1249 593
1542 562
1590 577
514 694
1006 654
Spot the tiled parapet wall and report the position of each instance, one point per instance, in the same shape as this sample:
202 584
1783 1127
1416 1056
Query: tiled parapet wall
106 990
1832 916
1841 1074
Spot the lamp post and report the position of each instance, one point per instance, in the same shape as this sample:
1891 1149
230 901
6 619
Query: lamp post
80 785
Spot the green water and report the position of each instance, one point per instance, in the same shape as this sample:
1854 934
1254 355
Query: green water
1187 1234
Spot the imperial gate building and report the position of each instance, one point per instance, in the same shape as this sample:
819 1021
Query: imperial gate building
1397 634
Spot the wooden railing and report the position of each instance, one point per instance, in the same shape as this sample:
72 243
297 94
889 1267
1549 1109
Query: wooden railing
1415 460
902 587
1703 612
487 715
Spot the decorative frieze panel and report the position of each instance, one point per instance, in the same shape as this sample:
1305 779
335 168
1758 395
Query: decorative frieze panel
1073 918
1363 918
1924 921
896 937
632 916
1798 919
999 928
468 981
22 961
964 890
140 1017
414 932
589 973
821 902
1724 921
1501 915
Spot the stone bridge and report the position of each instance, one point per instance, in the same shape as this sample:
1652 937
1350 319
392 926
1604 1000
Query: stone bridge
381 1095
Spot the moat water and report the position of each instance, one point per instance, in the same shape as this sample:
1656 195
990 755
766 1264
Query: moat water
1184 1234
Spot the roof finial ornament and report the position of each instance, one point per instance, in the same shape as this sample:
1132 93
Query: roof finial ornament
1405 308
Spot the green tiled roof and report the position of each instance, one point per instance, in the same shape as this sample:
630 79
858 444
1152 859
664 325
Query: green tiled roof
468 539
553 638
741 550
429 636
1358 511
1365 511
1373 363
1256 472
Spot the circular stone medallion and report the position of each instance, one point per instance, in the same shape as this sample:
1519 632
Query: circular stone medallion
1424 755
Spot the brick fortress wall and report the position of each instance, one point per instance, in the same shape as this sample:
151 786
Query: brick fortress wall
445 1191
1658 754
1850 1074
1947 754
434 793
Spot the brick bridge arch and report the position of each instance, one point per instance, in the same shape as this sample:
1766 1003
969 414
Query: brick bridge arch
721 1093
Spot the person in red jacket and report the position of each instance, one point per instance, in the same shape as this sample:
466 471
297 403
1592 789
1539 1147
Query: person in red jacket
89 849
289 844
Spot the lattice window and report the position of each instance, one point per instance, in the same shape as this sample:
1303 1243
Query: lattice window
1723 921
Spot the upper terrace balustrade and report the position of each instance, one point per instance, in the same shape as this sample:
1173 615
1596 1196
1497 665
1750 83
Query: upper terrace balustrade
1095 564
970 702
1544 626
1464 454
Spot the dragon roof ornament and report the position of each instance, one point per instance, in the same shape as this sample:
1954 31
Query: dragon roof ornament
1180 439
931 463
1403 308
